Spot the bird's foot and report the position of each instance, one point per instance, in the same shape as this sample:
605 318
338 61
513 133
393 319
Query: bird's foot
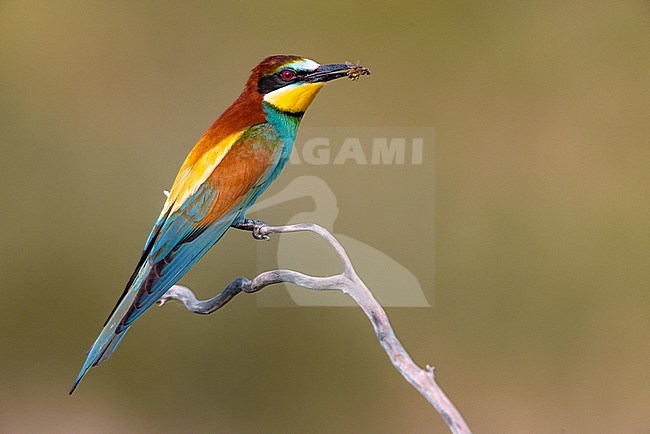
255 226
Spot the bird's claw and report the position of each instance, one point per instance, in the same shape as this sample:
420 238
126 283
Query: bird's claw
257 227
259 232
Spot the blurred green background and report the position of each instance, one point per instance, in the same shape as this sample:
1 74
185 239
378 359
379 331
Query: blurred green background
542 167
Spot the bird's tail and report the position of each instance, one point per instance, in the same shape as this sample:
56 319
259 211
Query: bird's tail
101 350
109 338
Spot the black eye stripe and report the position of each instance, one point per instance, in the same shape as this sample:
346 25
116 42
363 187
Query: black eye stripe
269 83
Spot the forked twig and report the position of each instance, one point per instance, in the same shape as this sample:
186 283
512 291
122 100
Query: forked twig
350 283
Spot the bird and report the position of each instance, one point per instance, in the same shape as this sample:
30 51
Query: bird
230 166
379 271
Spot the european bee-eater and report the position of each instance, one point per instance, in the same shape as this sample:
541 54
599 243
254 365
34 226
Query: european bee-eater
227 170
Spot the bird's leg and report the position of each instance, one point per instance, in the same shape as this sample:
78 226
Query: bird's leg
252 225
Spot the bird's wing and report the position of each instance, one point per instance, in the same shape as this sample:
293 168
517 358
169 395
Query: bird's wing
174 222
196 169
196 216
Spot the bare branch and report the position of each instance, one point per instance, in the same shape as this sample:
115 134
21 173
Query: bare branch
349 282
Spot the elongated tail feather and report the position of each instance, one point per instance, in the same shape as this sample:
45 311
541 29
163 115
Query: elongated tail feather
144 291
104 348
110 337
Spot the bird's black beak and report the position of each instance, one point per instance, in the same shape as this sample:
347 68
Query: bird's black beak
336 70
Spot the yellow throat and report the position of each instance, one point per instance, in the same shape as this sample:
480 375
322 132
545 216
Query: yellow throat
293 98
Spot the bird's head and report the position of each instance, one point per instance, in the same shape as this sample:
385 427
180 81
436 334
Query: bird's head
290 83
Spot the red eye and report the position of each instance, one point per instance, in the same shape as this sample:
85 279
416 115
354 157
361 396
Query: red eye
287 75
